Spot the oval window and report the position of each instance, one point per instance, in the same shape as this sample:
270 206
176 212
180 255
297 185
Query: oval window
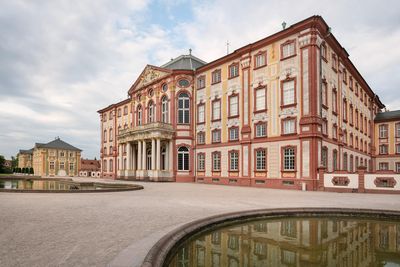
165 87
183 83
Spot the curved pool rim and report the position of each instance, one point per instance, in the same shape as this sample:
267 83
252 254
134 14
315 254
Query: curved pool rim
160 252
118 187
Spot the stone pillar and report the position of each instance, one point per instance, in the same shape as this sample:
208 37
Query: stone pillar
139 157
144 163
153 154
171 156
167 159
128 155
361 179
158 154
121 156
321 172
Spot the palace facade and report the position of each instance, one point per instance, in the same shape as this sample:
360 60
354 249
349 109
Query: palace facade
56 158
269 114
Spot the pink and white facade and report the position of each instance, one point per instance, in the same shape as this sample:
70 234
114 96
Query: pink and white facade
269 114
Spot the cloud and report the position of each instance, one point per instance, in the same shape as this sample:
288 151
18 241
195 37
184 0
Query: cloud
61 61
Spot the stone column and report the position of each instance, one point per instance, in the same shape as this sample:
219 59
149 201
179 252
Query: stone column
158 154
128 155
144 163
153 154
120 157
167 159
171 155
139 157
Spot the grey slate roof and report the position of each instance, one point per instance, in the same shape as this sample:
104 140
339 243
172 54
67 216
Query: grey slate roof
57 144
26 151
388 115
184 62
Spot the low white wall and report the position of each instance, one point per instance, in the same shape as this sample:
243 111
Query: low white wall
352 177
370 181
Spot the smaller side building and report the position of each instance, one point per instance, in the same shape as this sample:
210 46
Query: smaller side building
387 131
56 158
90 168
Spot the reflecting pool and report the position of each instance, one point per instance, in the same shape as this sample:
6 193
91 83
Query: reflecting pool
64 185
294 242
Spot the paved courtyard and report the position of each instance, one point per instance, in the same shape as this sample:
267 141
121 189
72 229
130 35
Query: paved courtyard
118 229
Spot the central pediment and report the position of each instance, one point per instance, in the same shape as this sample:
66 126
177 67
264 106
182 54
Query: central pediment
149 75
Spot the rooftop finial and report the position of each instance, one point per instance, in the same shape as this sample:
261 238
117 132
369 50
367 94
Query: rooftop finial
227 47
190 51
284 25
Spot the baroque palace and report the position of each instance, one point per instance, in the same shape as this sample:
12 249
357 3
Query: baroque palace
272 113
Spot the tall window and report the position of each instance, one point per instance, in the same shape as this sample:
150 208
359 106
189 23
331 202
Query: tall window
324 156
334 131
139 115
334 160
183 108
216 110
62 165
111 165
289 161
397 148
104 165
261 129
325 127
397 130
288 49
351 163
201 159
383 149
216 76
334 101
289 126
126 110
261 159
234 160
164 109
324 94
397 167
233 106
105 136
110 134
71 166
233 133
201 82
383 166
150 107
260 59
201 113
345 161
201 138
148 159
260 99
351 114
216 136
356 119
334 62
119 112
183 159
383 131
288 93
344 110
216 160
234 70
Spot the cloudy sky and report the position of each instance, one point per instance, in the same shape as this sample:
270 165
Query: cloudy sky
61 61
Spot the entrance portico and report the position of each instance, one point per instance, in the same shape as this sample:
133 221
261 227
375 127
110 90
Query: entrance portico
149 152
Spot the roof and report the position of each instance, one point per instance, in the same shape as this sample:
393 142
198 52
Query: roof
184 62
58 144
26 151
90 165
388 116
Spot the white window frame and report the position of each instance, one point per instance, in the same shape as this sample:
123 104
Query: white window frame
261 129
261 160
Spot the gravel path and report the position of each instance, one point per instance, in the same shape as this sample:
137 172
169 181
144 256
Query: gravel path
118 229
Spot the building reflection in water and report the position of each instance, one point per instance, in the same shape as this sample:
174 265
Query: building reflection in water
295 242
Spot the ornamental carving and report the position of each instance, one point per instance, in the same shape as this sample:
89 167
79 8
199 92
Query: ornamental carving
233 122
200 128
216 125
340 181
260 116
149 75
305 40
288 111
388 182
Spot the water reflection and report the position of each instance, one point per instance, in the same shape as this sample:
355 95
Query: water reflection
47 185
295 242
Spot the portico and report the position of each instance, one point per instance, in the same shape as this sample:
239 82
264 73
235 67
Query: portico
148 154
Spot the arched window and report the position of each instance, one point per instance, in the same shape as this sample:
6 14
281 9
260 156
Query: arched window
183 108
111 165
139 115
105 165
345 167
163 157
110 135
183 159
334 160
164 109
150 107
124 166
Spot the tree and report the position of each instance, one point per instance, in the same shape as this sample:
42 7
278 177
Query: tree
2 161
14 162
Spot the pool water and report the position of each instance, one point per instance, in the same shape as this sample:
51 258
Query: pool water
341 241
63 185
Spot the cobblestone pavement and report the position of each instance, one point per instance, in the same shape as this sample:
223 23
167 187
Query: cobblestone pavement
118 229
